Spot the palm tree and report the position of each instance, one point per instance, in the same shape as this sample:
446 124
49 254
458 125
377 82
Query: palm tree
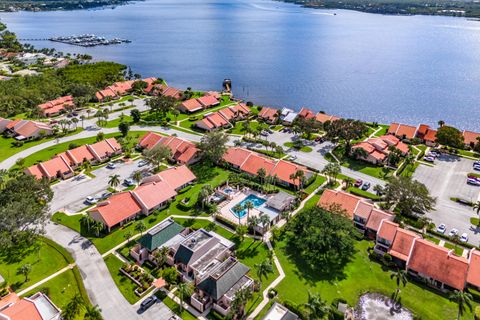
264 220
240 301
378 189
248 206
73 308
318 308
87 221
441 123
455 238
127 236
114 181
92 313
204 194
86 165
400 277
184 291
253 222
476 208
261 173
160 256
82 118
463 299
25 270
137 176
97 227
75 121
237 209
140 227
263 269
240 231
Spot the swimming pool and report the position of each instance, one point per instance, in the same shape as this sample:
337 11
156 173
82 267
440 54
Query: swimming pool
256 201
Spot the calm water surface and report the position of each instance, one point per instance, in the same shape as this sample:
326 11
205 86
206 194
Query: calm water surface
373 67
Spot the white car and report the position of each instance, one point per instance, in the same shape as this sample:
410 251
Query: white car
429 159
91 200
453 232
142 163
476 167
111 165
464 237
442 228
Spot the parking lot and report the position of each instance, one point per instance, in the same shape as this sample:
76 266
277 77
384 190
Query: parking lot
445 180
69 195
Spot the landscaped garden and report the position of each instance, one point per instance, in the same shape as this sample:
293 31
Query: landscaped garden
361 166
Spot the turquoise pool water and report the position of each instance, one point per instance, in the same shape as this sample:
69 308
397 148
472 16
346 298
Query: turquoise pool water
257 202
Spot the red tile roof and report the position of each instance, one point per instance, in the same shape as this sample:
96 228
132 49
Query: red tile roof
346 201
431 135
254 162
402 130
57 105
473 276
402 244
422 130
105 148
80 154
240 109
284 169
269 114
470 137
438 263
172 92
153 194
28 128
177 177
376 218
22 310
208 101
227 114
117 208
192 105
323 117
183 151
387 230
236 156
363 210
150 139
306 113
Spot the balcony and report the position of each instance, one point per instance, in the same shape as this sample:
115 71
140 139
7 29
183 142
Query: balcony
201 303
221 308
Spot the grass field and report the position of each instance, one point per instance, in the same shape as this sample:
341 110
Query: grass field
45 260
362 166
360 275
319 180
303 148
125 285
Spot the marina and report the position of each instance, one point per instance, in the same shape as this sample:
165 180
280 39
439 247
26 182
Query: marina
88 40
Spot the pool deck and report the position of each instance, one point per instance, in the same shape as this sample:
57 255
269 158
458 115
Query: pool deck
226 212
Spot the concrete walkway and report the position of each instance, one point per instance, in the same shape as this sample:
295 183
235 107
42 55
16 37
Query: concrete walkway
39 283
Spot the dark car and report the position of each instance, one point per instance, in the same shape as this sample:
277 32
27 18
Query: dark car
358 183
366 186
147 303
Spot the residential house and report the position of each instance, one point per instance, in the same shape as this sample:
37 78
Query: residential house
3 124
213 121
56 168
323 117
118 89
27 129
344 200
57 106
473 276
250 162
307 114
378 149
402 131
183 151
427 135
35 307
190 106
470 138
269 115
154 193
279 312
208 101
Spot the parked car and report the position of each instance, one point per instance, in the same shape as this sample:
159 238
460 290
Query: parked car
75 113
111 165
264 133
142 163
129 182
366 186
464 237
429 159
91 200
432 155
476 162
476 167
358 183
105 195
442 228
291 158
453 232
436 153
147 303
473 182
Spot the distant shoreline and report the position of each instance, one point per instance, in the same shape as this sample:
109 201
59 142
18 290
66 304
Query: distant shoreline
65 5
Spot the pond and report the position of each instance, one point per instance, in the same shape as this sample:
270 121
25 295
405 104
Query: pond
374 306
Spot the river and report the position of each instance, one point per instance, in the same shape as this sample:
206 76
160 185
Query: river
412 69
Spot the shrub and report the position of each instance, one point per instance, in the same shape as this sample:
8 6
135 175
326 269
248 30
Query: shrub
477 313
72 146
18 144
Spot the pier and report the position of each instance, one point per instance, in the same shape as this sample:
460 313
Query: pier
84 40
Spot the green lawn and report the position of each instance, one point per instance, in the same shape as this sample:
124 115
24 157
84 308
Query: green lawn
115 122
7 149
431 238
362 166
362 193
409 170
468 153
238 128
383 131
475 221
125 285
359 276
303 148
49 152
458 250
213 176
61 289
45 260
319 180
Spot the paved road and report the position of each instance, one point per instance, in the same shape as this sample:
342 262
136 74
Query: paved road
83 186
99 284
446 179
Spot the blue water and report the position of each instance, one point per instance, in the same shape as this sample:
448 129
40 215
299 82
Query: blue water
256 201
381 68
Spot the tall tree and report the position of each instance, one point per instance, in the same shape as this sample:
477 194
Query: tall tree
317 308
248 206
213 146
345 130
25 270
92 313
73 308
204 194
409 195
161 105
184 291
450 136
114 181
140 227
240 301
263 269
253 223
400 277
136 115
237 209
157 155
124 127
332 170
463 300
160 256
241 231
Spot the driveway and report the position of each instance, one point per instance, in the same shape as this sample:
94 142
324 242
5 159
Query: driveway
447 179
69 195
100 286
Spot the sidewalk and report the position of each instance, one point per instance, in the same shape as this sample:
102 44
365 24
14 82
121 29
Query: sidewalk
39 283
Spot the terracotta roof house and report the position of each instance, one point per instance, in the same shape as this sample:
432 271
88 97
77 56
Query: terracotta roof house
55 107
323 117
437 265
208 101
377 149
56 168
346 201
227 114
35 307
212 121
172 92
250 162
430 138
150 84
473 276
269 115
153 196
176 177
105 149
385 236
183 151
190 106
118 89
402 244
241 111
4 123
27 129
217 95
470 138
402 131
307 114
93 153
